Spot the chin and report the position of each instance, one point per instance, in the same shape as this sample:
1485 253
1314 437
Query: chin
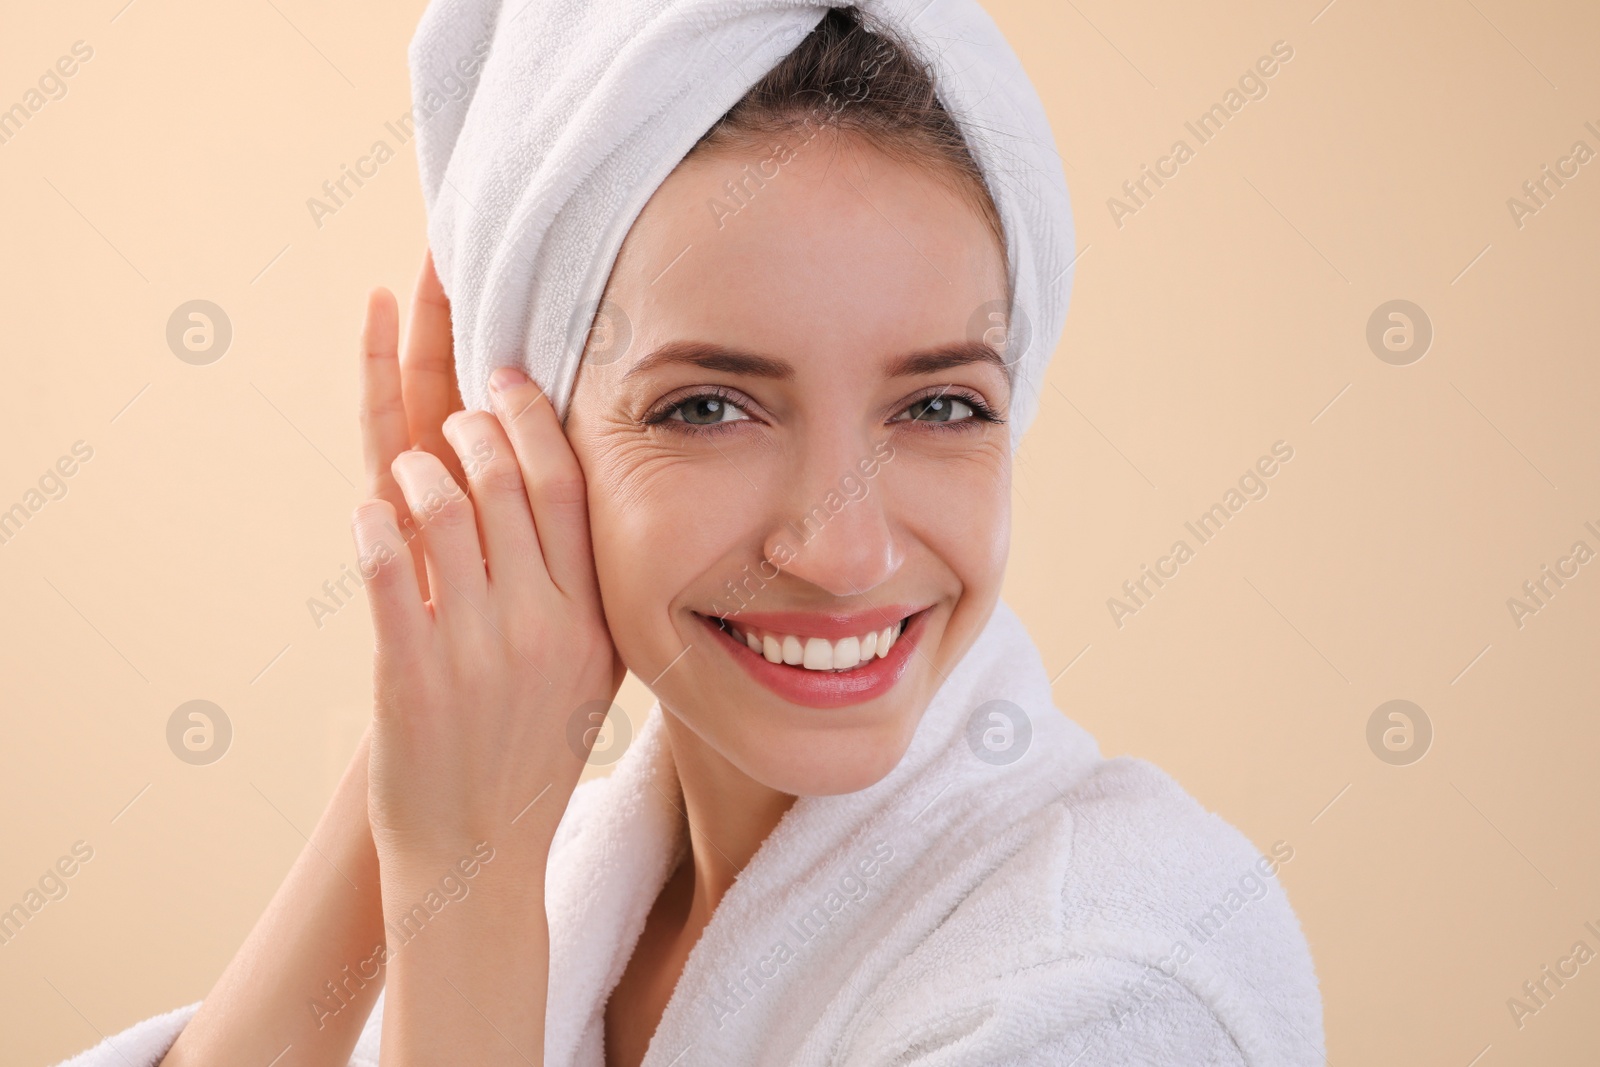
815 758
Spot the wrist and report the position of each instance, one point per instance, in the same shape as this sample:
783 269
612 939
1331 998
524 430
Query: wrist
438 909
414 847
438 875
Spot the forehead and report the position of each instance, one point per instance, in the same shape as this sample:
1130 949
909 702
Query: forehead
812 250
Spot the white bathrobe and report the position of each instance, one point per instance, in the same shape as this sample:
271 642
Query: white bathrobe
1003 896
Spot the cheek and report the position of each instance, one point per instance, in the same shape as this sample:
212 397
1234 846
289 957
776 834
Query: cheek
659 524
960 509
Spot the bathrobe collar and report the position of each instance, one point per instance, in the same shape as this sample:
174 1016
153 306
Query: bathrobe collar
987 753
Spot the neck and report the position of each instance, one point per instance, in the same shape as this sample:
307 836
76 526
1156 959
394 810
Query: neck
729 814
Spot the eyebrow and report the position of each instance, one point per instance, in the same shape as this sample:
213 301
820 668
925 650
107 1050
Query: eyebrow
733 361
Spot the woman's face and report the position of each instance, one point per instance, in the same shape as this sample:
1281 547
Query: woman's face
794 441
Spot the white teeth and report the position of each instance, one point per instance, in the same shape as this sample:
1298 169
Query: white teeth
847 653
819 653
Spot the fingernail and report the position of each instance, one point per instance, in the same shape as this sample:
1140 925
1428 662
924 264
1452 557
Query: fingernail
506 378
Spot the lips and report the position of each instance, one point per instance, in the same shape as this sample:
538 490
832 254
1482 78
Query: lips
823 661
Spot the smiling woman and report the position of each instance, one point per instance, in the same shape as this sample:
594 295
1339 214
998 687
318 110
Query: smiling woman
854 829
776 355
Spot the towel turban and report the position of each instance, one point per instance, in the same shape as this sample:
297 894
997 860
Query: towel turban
544 126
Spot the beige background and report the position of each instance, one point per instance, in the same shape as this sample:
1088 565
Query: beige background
1228 313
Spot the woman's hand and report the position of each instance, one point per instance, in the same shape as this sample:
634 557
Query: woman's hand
490 633
490 639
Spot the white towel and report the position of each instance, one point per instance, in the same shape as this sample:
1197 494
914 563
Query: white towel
537 157
1003 896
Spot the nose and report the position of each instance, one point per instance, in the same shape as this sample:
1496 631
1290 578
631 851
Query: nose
836 531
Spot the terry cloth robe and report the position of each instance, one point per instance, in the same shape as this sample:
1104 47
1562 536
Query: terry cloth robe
1003 896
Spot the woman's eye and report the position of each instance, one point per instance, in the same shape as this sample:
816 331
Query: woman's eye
939 409
707 410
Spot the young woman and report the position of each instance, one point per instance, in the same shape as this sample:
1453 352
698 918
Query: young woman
854 829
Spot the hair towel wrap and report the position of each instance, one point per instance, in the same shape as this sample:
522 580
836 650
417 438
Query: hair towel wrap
544 126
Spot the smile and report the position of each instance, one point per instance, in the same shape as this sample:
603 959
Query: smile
818 653
822 661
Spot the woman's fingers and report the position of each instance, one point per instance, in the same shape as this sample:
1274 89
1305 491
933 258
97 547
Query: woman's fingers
384 431
552 478
398 618
428 369
444 514
505 522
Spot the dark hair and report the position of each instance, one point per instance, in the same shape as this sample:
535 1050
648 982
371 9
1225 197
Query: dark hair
854 75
